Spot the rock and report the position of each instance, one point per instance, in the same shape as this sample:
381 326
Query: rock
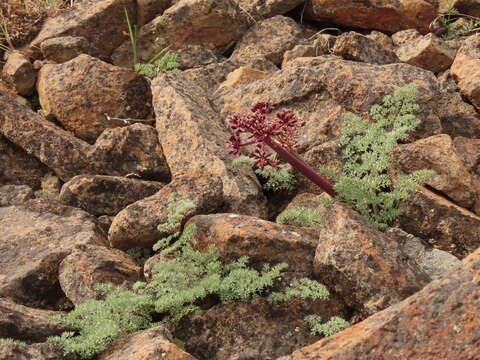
468 7
469 152
436 323
45 351
193 139
361 264
357 47
35 238
252 330
405 36
263 9
262 241
102 23
147 10
80 92
321 90
434 262
17 167
184 24
136 225
383 39
154 343
389 15
90 265
243 75
15 194
19 73
443 224
104 222
466 69
457 117
130 150
268 39
438 153
100 194
194 56
56 148
65 48
429 53
28 324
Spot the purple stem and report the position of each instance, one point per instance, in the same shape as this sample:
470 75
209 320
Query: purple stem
301 166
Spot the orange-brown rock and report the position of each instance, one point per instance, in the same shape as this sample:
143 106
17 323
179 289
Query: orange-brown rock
430 53
59 150
43 351
438 153
154 343
102 23
90 265
357 47
383 39
136 225
269 39
262 241
405 36
15 194
386 15
442 223
24 323
193 140
35 238
194 56
243 75
466 69
106 195
65 48
255 329
147 10
439 322
185 23
361 264
469 152
19 73
81 91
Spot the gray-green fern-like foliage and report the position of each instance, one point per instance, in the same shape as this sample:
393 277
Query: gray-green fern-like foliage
167 62
5 341
332 326
367 144
299 216
274 179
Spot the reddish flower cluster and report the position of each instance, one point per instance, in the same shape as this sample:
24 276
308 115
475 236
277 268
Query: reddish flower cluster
262 130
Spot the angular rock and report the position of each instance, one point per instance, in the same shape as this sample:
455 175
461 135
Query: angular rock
405 36
184 24
59 150
383 39
269 39
262 241
102 23
361 264
147 10
438 153
357 47
80 92
19 73
193 139
65 48
28 324
130 150
466 69
469 151
434 262
252 330
154 343
430 53
44 351
439 322
388 15
194 56
90 265
443 224
243 75
35 238
15 194
136 225
106 195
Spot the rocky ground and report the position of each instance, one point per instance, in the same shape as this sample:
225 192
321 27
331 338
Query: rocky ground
80 186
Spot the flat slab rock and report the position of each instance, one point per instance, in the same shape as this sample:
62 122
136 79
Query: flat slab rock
35 238
438 322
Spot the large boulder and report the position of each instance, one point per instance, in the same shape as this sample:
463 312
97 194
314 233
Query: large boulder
81 92
35 238
439 322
